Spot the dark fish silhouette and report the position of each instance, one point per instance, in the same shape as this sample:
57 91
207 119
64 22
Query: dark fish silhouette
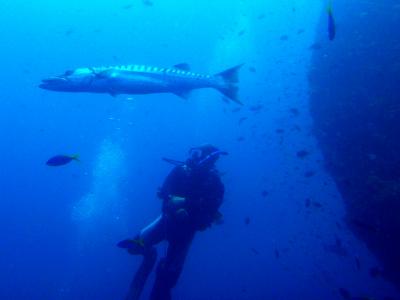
375 272
294 111
337 248
366 227
331 24
309 174
358 263
284 37
60 160
302 153
148 2
256 108
345 293
237 109
241 120
261 16
255 251
316 204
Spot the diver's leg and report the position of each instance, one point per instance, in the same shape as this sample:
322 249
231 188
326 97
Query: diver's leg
155 232
170 268
148 237
140 278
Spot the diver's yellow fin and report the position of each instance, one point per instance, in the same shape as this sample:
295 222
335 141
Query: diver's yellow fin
139 242
75 157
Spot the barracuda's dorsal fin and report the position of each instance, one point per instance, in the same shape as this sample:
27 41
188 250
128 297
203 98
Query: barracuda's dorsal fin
183 66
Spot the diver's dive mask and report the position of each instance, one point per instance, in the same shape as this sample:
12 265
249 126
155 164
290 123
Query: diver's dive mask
204 156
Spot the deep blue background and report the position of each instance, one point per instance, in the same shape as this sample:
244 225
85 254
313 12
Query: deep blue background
60 225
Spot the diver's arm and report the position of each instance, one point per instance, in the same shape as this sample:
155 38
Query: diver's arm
170 182
172 187
206 212
217 195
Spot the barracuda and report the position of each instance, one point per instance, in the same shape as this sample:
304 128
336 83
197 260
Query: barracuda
138 79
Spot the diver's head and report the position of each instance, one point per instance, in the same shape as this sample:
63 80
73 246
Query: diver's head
77 80
204 157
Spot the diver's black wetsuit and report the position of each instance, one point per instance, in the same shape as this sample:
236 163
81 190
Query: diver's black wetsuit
203 192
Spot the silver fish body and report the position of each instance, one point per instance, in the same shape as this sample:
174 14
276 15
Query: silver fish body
139 79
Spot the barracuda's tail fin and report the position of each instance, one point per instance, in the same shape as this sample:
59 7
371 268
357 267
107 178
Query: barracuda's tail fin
230 79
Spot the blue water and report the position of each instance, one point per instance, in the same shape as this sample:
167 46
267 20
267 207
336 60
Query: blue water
60 226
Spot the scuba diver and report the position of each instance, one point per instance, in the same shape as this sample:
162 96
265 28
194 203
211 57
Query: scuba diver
191 196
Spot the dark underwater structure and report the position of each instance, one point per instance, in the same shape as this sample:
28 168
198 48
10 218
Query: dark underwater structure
355 105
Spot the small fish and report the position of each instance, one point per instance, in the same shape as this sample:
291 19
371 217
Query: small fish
256 108
302 153
284 37
148 2
337 248
364 226
127 6
247 220
242 119
279 131
237 109
60 160
294 111
345 293
307 203
277 254
309 174
375 272
69 32
316 204
240 139
264 193
358 263
261 16
252 70
255 251
331 24
296 128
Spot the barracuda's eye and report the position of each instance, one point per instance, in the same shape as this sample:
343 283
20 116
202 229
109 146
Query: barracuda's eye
68 73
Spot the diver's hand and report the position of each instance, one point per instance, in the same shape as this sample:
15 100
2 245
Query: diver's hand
181 215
